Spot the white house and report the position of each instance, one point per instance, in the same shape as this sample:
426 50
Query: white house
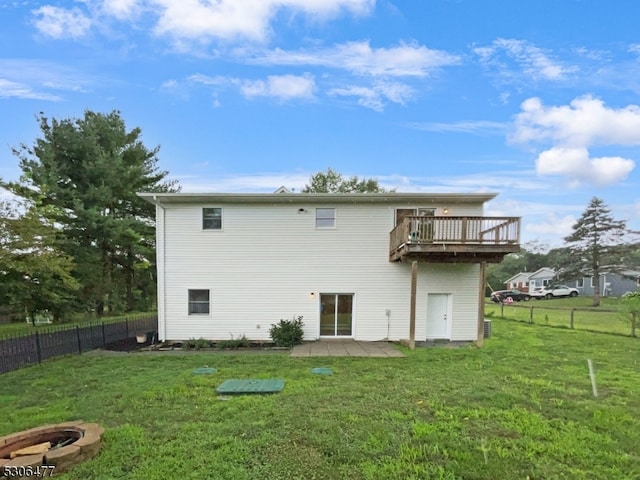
541 278
528 281
520 281
233 264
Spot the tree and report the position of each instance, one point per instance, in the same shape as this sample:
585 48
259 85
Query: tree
595 237
630 304
85 173
35 273
333 182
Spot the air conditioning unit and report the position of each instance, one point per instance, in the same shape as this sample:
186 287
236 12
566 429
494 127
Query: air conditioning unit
487 328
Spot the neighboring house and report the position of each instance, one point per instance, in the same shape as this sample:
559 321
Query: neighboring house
528 281
612 284
520 281
233 264
541 278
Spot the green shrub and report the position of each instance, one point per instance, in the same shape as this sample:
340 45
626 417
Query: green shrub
202 343
234 343
287 333
196 344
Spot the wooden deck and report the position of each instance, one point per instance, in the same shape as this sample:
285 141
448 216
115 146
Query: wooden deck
454 239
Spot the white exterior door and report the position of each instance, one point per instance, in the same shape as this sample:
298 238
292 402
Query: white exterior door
438 316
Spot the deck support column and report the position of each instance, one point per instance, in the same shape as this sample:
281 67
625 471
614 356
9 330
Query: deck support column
412 308
480 340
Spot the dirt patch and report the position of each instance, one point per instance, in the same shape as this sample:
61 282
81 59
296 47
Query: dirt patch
126 345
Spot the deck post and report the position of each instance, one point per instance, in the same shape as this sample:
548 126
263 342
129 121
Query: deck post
412 309
480 340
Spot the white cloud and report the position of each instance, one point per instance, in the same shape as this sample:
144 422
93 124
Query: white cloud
572 129
470 126
404 60
376 96
576 164
194 20
9 89
122 9
283 87
532 61
267 182
248 19
552 225
59 23
207 80
585 121
40 80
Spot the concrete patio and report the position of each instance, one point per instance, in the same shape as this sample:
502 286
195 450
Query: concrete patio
345 348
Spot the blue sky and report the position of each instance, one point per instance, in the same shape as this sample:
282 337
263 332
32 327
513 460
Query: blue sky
534 99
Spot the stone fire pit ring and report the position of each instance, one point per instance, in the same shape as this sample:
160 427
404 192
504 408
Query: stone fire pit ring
82 442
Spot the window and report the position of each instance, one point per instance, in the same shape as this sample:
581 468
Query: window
591 282
198 301
212 219
580 283
402 213
545 283
325 218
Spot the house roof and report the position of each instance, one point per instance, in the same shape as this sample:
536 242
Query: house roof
525 275
529 275
284 197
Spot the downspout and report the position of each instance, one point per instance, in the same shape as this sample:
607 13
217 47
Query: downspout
160 260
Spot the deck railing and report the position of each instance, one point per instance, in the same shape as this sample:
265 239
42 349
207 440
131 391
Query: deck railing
421 230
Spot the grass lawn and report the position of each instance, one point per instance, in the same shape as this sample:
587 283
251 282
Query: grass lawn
557 312
522 407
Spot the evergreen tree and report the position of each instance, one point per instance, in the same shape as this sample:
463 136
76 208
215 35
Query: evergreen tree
594 239
85 173
34 272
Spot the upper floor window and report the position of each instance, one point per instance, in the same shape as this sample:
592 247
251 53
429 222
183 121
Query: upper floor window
212 218
402 213
325 218
198 301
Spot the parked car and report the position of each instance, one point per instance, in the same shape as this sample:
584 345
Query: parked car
538 293
502 296
554 291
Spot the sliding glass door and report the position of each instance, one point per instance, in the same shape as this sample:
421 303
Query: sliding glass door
336 314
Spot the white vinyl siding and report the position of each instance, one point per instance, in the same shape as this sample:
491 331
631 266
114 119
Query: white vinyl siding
271 259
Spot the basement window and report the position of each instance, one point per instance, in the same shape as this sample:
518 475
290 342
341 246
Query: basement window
198 302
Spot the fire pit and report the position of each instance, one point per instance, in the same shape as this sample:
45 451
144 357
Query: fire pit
50 449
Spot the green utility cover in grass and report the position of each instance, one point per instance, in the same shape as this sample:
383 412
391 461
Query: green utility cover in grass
236 387
203 371
322 371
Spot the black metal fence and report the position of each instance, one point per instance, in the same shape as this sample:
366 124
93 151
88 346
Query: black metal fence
53 341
